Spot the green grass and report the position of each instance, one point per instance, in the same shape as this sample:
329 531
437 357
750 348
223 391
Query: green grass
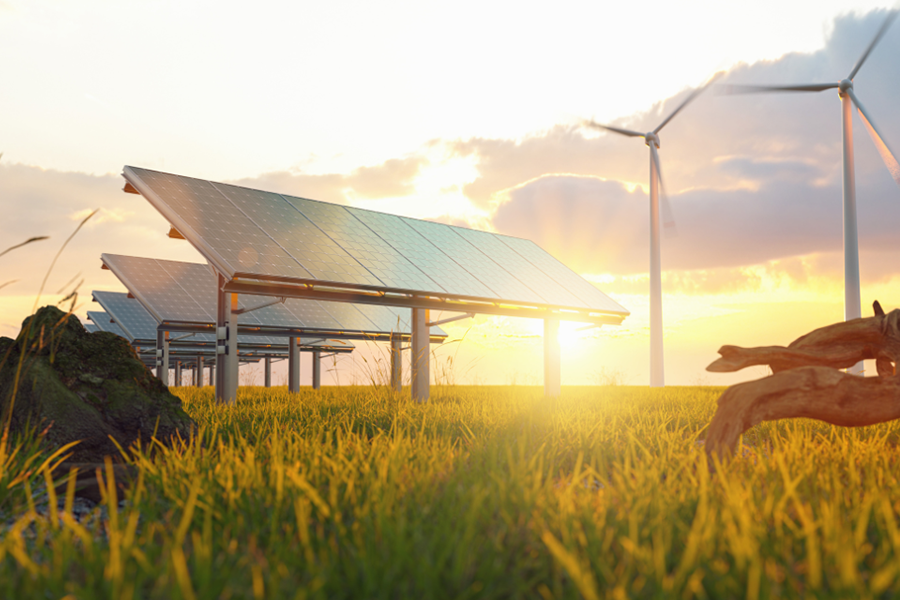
485 492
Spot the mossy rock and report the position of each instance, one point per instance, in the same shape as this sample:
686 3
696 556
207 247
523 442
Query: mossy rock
84 386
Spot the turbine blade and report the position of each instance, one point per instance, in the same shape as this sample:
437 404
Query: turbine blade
762 89
628 132
668 219
884 27
691 97
887 156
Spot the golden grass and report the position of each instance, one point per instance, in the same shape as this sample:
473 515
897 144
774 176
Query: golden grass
485 492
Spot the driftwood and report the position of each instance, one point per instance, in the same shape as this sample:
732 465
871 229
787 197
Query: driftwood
806 381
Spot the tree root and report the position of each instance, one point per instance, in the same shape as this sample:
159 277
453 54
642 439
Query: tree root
807 383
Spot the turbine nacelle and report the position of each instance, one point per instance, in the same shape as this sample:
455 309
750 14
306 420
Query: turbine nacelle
651 137
844 86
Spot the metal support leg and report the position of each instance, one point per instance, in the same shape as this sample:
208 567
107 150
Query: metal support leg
162 357
268 371
552 382
198 381
421 347
177 373
226 345
212 373
293 365
396 362
317 370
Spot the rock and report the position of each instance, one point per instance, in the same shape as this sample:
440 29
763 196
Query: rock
84 386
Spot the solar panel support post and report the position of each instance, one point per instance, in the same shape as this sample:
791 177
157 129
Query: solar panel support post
396 362
212 373
316 369
293 365
177 373
552 378
268 371
420 355
198 380
233 362
162 357
226 345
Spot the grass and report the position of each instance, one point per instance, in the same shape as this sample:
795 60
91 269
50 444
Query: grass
485 492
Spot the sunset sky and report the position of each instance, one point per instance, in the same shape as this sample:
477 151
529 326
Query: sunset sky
467 113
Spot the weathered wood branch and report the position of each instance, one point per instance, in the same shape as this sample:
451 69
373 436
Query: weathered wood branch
819 393
838 346
807 383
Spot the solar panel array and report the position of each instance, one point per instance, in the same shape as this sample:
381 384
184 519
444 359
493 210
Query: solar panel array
262 234
128 318
128 312
103 322
179 291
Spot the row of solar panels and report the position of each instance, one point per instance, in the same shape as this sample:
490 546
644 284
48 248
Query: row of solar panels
177 291
275 237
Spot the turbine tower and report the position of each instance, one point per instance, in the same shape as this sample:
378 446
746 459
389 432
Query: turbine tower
651 139
849 99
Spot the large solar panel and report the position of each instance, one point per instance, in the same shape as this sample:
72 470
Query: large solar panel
536 280
300 238
275 237
179 291
90 327
235 238
475 261
363 244
563 275
449 275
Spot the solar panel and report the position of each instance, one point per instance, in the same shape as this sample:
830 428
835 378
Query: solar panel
475 261
179 291
492 245
90 327
103 322
364 245
279 238
452 278
129 313
300 238
563 275
240 243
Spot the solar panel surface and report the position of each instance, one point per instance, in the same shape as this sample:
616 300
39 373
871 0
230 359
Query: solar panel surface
178 291
103 322
274 236
371 251
129 312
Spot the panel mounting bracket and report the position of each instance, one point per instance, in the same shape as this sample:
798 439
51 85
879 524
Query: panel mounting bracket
242 311
450 320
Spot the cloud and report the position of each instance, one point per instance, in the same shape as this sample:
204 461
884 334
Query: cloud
751 178
598 226
48 202
392 178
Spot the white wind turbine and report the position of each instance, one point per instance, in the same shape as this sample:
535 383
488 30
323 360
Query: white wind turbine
852 308
651 139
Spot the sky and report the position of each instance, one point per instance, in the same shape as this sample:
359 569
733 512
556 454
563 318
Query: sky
468 113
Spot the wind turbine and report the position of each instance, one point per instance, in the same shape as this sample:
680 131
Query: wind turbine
651 139
848 100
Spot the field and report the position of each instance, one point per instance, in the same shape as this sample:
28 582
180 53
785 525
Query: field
485 492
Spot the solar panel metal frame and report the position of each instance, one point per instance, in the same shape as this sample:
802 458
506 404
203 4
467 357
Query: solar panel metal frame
279 284
111 303
136 289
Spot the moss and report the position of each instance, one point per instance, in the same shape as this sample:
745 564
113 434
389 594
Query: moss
86 386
